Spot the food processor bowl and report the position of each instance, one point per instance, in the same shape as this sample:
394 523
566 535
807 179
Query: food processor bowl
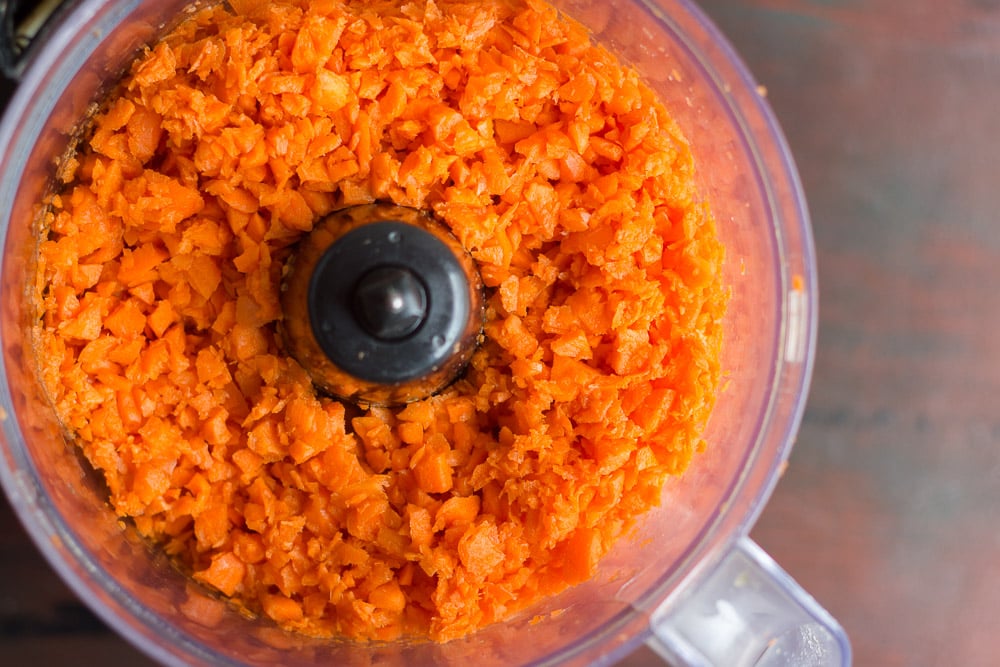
688 580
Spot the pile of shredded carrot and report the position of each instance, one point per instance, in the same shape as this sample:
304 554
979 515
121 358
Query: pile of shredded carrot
556 168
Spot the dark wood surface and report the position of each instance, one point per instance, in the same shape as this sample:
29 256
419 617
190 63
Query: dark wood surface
887 511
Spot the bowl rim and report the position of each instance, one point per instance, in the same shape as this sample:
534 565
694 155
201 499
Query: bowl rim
51 533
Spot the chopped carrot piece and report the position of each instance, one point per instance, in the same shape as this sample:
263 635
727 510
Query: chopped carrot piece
282 609
126 321
225 573
431 468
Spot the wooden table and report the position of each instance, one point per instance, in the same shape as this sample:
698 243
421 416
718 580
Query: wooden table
892 109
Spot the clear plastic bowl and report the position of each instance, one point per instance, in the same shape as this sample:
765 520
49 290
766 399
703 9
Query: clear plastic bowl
689 581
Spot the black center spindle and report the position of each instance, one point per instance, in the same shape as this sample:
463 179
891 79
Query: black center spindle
392 304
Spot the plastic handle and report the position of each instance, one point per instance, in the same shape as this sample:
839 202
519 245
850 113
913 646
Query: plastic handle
20 28
747 611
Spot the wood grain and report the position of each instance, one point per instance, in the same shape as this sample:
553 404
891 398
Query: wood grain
885 511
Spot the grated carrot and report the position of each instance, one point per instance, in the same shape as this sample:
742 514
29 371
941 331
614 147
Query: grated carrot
558 170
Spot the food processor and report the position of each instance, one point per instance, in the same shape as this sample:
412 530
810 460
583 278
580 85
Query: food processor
688 580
